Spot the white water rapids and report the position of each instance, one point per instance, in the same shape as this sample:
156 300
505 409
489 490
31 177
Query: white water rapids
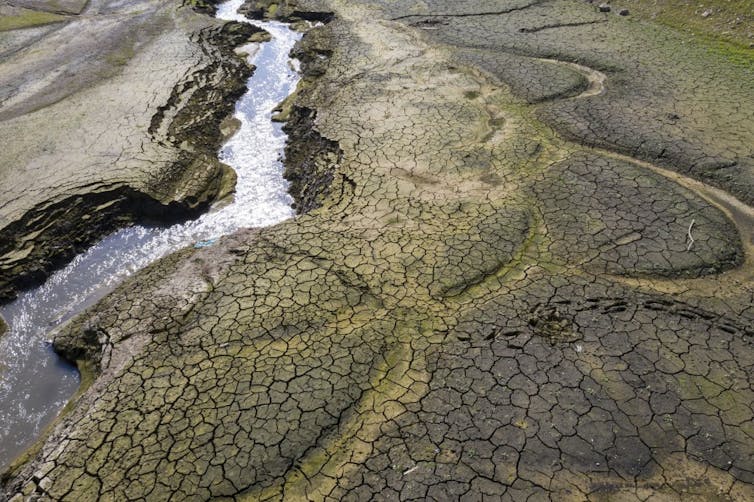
34 382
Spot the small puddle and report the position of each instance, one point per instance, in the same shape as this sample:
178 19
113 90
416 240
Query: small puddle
34 382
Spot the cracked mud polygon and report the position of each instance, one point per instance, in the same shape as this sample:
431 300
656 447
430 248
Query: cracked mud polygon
522 270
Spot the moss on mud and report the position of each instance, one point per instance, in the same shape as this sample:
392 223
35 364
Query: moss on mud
27 18
730 20
456 313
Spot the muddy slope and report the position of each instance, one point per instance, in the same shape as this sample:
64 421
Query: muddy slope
110 117
476 305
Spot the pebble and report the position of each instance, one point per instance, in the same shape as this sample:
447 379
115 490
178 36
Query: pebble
604 7
623 12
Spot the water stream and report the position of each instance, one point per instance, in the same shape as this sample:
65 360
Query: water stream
34 382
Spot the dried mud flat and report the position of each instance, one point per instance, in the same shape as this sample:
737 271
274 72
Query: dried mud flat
524 272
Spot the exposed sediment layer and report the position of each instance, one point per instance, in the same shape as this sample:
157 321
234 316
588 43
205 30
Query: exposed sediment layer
311 160
701 125
129 135
288 11
477 307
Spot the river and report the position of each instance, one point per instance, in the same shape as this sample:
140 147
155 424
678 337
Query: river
35 383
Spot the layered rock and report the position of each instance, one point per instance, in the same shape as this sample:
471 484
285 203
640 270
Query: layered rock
111 117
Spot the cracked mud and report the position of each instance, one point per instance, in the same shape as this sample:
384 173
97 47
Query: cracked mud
524 272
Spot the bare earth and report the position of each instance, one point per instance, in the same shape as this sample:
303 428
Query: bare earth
524 271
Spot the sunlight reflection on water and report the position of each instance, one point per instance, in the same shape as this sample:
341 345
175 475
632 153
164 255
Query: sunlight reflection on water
34 382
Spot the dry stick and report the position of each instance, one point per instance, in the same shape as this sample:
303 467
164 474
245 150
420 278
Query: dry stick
411 470
691 237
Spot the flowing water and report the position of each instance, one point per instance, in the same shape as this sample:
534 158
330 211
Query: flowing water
34 382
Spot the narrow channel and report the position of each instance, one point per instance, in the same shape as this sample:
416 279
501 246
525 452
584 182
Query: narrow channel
34 382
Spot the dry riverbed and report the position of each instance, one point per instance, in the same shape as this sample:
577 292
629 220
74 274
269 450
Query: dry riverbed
522 270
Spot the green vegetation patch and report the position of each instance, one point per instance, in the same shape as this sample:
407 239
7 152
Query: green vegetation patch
26 18
728 20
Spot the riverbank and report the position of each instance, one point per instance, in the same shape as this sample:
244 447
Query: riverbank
108 162
494 292
34 385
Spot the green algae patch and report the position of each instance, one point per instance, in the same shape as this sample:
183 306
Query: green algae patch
27 18
714 46
121 56
730 52
731 21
